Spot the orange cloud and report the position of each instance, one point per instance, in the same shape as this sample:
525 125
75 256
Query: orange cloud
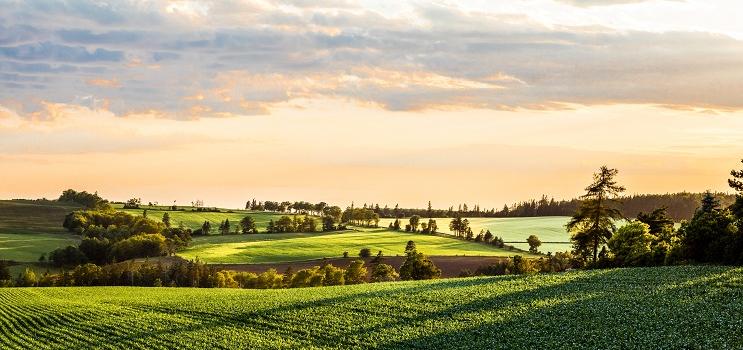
109 83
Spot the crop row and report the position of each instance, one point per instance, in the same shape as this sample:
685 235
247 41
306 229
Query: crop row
670 307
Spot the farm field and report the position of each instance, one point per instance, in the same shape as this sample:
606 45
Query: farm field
23 216
31 228
637 308
194 220
28 247
283 247
547 228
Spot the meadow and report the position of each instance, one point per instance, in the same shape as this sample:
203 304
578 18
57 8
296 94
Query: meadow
630 308
25 216
28 247
194 219
31 228
547 228
284 247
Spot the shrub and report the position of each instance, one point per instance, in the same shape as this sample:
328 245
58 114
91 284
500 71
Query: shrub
534 243
365 252
96 250
27 278
334 276
4 271
522 265
139 247
418 267
88 275
301 278
466 273
67 256
711 236
384 273
558 262
356 272
247 225
631 244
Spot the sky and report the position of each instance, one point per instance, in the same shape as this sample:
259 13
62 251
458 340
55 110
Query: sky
391 102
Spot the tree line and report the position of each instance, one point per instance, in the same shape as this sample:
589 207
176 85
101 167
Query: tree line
461 229
679 206
110 236
712 235
197 274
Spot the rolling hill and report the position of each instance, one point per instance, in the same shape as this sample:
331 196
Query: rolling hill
690 307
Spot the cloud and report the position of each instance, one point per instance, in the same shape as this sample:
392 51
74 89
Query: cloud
591 3
111 83
80 36
245 56
59 53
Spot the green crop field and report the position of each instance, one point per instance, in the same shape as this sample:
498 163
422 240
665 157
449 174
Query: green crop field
28 247
194 220
651 308
275 247
31 228
547 228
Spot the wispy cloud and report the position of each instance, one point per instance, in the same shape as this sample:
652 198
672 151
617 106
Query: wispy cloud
111 83
244 56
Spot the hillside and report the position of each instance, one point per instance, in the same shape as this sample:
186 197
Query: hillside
653 308
29 228
514 231
283 247
33 216
194 219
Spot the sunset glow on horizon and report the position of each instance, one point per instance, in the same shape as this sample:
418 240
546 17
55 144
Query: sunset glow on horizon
384 102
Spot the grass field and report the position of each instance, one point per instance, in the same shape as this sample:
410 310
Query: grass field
274 247
194 219
547 228
28 247
31 228
650 308
21 216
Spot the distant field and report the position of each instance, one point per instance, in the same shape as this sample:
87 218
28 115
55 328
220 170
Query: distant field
547 228
31 228
275 247
643 308
194 220
20 216
28 247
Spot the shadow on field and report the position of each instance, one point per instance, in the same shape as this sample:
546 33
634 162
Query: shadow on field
603 310
672 307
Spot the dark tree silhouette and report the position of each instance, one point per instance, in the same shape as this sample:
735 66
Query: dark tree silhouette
593 223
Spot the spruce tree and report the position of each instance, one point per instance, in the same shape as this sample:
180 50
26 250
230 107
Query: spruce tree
592 224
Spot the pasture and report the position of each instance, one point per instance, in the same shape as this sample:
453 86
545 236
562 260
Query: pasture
654 308
547 228
284 247
28 247
31 228
194 219
26 216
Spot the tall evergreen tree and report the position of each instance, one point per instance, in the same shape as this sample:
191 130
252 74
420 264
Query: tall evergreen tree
657 220
709 202
736 182
592 224
166 219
